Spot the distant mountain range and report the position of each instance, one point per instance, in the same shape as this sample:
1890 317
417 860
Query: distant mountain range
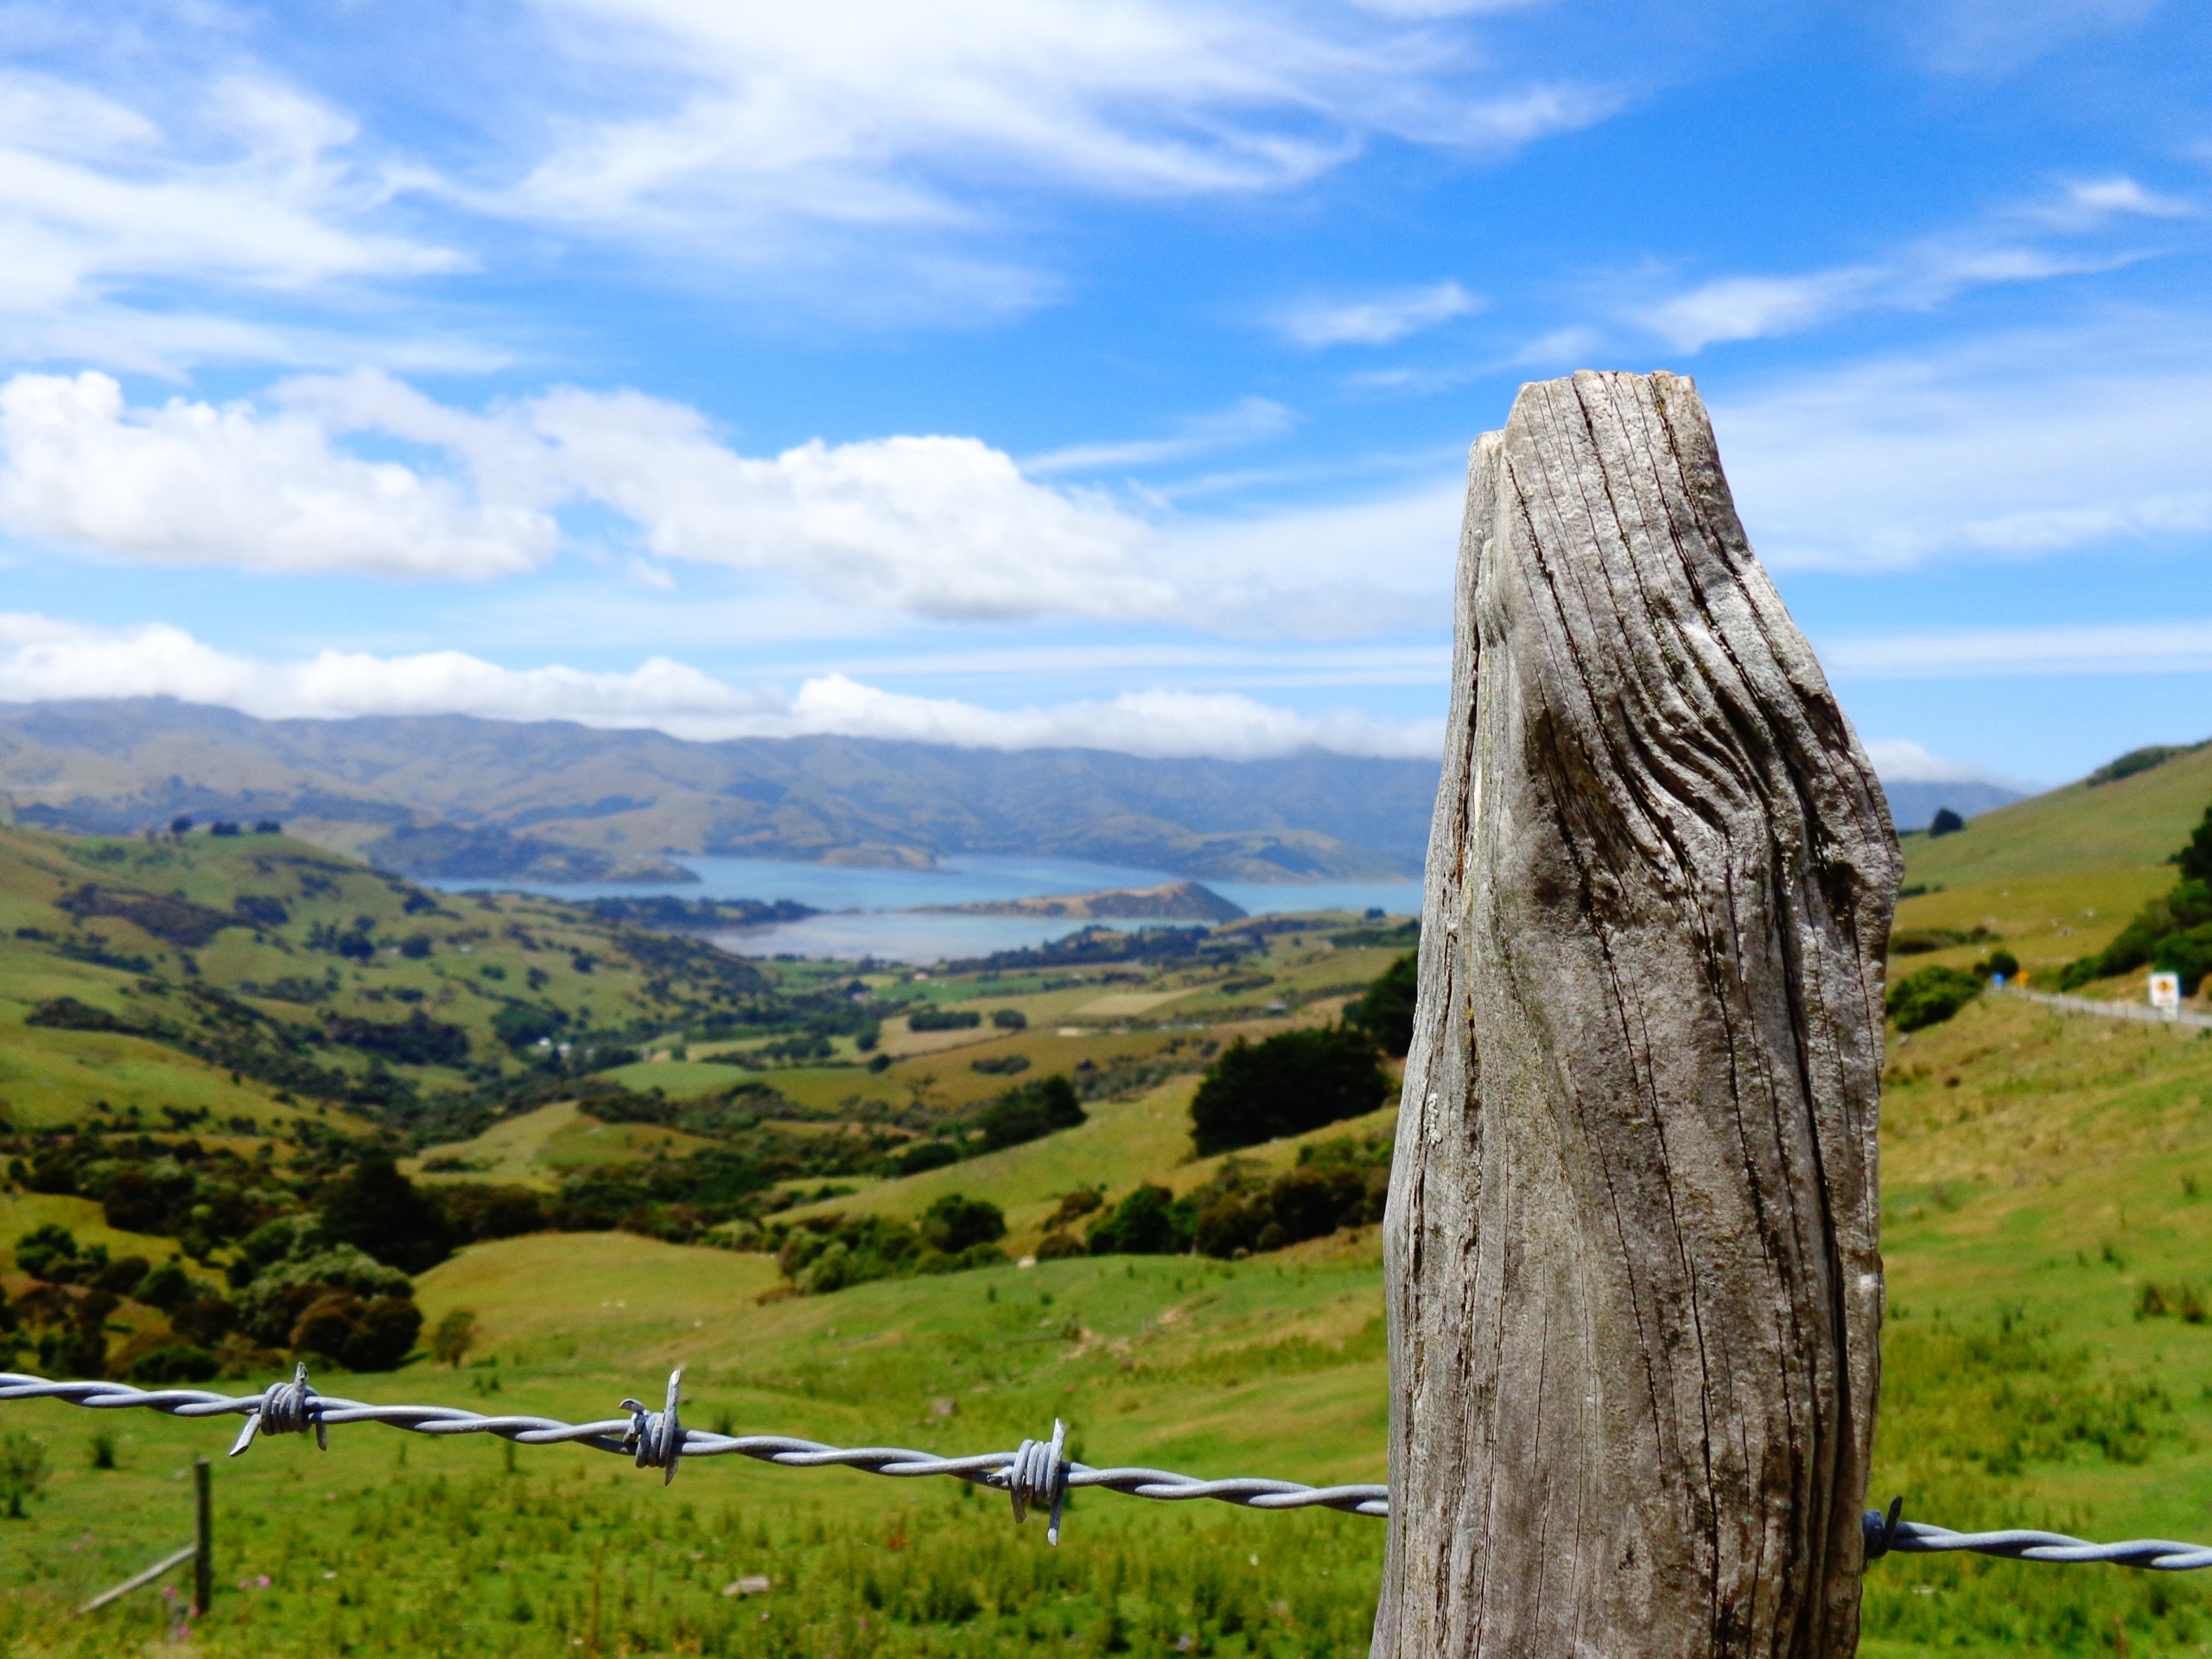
452 797
1914 806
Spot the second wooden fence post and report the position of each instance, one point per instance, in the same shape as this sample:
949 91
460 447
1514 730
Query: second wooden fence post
1634 1279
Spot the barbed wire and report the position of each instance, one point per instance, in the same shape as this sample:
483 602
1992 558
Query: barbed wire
1035 1475
1889 1534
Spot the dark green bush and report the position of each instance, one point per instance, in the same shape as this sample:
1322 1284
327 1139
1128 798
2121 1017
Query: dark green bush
1151 1221
927 1018
1930 997
1293 1081
175 1362
378 1211
1031 1112
924 1155
956 1223
1386 1012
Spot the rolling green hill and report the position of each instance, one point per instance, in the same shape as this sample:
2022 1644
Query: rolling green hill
2048 1212
2130 823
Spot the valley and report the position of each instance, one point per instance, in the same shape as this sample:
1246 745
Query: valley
644 1152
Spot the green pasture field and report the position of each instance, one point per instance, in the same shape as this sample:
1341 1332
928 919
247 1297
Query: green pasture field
2130 824
535 1148
2048 1358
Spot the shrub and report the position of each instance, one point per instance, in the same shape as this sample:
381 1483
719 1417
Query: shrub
999 1065
924 1155
956 1223
122 1276
1930 997
1010 1019
175 1362
49 1252
1998 961
454 1337
22 1470
1293 1081
167 1286
362 1336
1149 1222
1057 1245
1031 1112
1945 822
378 1211
927 1018
1386 1012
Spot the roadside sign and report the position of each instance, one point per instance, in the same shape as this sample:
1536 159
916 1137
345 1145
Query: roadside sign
2166 992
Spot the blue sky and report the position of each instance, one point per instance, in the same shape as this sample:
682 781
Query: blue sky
1013 372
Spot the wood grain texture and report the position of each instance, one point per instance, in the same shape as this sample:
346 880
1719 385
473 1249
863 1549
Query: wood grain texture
1632 1249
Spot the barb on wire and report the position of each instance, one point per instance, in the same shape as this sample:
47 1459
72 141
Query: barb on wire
1037 1475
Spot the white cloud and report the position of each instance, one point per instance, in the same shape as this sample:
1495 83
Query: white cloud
1917 277
43 658
2091 199
1901 760
190 483
252 189
932 526
2010 446
1994 38
2110 648
935 526
856 112
1378 320
1154 723
939 526
1246 421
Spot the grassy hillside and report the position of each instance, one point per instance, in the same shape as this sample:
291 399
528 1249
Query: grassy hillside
2127 824
2041 1173
2048 1215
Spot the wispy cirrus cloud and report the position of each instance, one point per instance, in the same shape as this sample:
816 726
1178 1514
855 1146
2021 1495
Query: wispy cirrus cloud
2003 248
1377 319
2178 647
2004 446
1246 421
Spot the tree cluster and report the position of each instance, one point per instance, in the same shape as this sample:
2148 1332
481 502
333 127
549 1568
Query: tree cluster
828 1253
1287 1085
2172 933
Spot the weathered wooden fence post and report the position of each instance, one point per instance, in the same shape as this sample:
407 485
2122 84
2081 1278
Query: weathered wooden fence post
1634 1278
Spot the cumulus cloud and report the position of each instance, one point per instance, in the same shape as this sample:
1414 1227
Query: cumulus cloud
1376 320
190 483
932 525
44 658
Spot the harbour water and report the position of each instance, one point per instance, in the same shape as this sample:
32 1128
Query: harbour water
879 913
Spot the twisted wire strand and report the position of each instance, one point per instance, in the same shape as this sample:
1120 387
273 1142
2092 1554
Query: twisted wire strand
1036 1475
2024 1544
